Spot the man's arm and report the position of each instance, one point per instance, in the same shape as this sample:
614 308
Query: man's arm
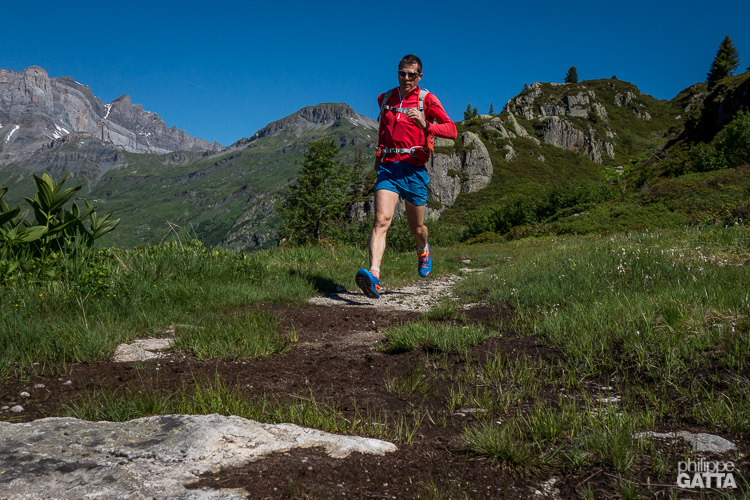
380 129
435 113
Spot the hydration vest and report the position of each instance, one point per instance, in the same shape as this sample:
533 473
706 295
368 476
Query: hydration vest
423 152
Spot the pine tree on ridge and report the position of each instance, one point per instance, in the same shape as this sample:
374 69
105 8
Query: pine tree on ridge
725 63
572 75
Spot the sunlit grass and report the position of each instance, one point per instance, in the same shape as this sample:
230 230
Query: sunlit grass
144 291
440 337
232 335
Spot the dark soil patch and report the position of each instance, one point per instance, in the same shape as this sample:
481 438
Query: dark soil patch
410 472
336 359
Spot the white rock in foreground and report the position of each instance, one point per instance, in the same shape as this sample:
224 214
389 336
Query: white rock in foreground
141 350
153 457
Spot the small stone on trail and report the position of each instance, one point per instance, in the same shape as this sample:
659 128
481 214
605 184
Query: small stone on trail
700 442
4 408
69 382
39 386
25 394
611 399
17 409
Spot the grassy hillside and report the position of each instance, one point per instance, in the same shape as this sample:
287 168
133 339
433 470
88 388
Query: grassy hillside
656 170
654 179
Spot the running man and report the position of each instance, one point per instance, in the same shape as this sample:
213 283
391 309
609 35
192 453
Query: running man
408 117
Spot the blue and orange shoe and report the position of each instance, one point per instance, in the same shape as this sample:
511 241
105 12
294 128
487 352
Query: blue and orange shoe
424 262
369 283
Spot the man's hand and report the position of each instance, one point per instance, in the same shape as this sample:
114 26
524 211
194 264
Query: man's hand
415 116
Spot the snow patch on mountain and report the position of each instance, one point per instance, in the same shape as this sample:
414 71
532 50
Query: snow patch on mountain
10 134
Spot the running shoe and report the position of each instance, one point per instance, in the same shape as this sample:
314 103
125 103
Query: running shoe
424 262
369 284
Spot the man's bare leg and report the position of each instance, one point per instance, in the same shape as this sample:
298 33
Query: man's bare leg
415 217
385 205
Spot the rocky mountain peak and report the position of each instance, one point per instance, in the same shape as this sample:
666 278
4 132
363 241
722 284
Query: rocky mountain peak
314 117
326 112
39 110
124 100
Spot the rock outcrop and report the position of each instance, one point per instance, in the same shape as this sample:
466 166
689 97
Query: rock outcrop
562 133
553 115
477 165
41 109
496 125
154 457
519 130
719 108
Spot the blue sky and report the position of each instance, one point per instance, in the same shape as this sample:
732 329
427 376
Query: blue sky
221 70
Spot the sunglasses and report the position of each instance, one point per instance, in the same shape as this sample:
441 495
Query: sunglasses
410 74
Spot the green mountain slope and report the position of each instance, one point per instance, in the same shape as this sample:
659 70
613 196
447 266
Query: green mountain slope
222 199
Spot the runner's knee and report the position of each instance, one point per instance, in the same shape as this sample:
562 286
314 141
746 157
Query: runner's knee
382 221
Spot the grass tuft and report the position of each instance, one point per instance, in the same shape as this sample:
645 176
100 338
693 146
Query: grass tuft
443 338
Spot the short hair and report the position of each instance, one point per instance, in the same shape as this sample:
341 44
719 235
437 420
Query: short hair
411 59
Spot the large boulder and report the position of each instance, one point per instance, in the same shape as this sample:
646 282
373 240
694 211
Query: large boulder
477 167
153 457
445 178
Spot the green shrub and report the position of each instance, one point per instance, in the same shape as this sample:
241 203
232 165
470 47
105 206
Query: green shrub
733 142
706 158
730 148
528 211
486 237
57 240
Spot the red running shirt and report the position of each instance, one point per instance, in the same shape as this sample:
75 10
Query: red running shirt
397 131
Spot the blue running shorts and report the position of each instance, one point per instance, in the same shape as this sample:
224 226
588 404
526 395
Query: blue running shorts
408 181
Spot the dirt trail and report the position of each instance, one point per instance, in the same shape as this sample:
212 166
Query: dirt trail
418 296
336 359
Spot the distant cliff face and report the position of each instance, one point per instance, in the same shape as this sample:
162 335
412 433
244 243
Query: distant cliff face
36 110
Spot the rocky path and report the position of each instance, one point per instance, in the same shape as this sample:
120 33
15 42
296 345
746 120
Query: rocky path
418 297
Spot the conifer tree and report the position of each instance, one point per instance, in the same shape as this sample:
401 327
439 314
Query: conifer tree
572 75
317 200
474 112
726 61
492 109
468 112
